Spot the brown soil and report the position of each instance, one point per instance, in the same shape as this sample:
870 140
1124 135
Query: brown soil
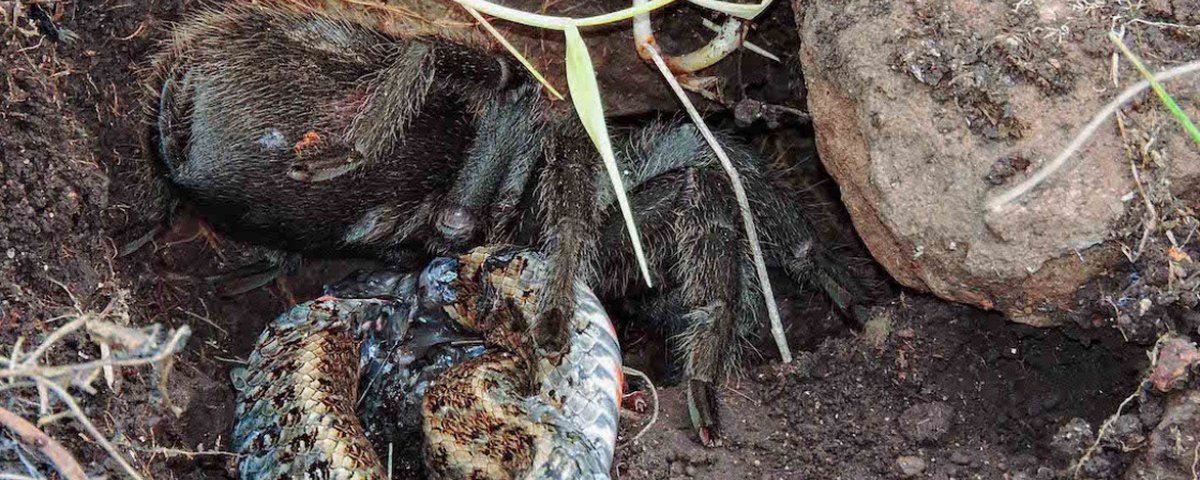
968 394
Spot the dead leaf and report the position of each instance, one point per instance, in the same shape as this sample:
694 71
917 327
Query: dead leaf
1178 255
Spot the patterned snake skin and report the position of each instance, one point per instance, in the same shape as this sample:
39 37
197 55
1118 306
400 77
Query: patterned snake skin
507 413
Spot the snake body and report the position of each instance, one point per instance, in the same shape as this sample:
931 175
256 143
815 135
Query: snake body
504 412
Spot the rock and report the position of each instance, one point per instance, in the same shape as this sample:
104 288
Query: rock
1175 357
1073 438
910 465
1150 410
1020 475
1102 465
1170 452
926 422
925 110
960 458
1125 432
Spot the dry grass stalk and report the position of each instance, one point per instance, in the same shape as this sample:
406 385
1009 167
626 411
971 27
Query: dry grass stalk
28 433
128 347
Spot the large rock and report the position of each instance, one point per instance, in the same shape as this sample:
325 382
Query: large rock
925 109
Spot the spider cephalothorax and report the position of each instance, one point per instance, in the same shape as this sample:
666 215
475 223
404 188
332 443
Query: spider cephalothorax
325 136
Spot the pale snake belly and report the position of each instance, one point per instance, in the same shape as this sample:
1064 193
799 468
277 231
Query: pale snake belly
507 413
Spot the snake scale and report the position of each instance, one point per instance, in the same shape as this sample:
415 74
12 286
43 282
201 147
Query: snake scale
505 413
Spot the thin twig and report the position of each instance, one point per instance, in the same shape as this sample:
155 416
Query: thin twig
16 476
739 192
46 378
1152 221
729 38
1000 201
1104 429
95 433
1196 462
204 318
188 454
165 352
59 456
1153 354
653 398
53 339
54 417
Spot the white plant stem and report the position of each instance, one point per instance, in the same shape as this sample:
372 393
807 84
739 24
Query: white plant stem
553 22
760 265
745 44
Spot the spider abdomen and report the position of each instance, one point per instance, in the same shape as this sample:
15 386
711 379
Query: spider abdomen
311 133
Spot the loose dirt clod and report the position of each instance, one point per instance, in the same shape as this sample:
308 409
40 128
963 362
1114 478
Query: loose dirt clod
926 423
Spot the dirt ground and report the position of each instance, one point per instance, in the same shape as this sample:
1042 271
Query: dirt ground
927 389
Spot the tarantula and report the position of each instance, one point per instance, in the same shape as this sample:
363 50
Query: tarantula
321 134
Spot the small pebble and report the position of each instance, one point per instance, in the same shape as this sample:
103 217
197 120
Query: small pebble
960 458
910 465
1020 475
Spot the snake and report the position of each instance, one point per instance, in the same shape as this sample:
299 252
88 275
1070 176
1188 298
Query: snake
330 374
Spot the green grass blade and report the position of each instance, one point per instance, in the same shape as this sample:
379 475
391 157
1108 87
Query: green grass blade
585 94
1165 97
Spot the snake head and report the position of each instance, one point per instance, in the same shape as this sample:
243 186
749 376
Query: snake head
387 284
